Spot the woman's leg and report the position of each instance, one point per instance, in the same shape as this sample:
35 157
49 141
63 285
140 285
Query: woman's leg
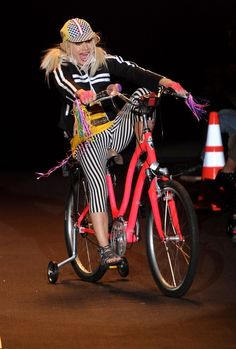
100 224
126 124
93 157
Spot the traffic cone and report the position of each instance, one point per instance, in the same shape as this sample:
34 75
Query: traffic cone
214 158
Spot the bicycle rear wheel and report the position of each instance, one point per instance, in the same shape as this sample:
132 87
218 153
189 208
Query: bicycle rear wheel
87 263
173 262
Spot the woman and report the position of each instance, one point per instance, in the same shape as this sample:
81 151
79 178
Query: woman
80 69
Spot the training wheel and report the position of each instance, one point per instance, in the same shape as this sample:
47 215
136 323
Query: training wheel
123 267
52 272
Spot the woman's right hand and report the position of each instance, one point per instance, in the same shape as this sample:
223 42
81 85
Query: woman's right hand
86 96
174 85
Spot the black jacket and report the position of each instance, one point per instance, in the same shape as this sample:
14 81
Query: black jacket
69 78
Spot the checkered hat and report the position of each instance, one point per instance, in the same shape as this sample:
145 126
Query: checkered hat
77 30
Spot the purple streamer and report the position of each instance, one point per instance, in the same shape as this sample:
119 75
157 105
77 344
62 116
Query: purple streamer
197 106
60 164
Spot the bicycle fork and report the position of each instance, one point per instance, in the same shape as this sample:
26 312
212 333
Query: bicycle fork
155 193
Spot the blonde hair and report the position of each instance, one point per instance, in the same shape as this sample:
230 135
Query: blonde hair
62 54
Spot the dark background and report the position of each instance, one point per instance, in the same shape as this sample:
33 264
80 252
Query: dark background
187 41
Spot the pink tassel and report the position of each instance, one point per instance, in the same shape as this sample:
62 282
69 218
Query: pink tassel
196 107
60 164
83 126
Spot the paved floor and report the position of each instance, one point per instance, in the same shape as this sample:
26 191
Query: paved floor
116 312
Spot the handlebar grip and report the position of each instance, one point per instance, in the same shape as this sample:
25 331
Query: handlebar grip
172 92
111 90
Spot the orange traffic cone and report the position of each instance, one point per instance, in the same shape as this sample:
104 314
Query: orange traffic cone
214 158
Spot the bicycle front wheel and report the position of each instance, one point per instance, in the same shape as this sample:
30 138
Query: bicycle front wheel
87 263
173 260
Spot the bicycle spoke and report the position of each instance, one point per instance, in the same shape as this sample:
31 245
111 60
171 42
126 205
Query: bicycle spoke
87 263
173 261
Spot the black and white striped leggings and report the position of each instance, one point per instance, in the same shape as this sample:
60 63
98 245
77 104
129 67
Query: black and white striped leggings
93 156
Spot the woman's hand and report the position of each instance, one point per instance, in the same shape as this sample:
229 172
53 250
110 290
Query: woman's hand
174 85
86 96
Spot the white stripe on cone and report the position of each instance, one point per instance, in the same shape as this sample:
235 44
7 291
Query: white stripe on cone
214 136
214 159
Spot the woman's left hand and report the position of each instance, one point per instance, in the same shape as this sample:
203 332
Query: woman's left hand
86 96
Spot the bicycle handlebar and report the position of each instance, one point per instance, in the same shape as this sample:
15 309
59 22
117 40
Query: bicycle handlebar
110 92
171 92
114 90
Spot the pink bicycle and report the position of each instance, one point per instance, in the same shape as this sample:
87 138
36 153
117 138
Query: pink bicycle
172 237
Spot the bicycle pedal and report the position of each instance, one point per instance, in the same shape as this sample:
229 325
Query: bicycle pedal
112 267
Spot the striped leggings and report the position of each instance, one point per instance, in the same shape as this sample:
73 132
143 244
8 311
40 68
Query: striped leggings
93 156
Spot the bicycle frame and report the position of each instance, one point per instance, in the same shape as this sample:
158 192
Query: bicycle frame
146 145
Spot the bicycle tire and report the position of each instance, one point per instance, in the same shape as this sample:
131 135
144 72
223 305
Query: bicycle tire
87 263
173 263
